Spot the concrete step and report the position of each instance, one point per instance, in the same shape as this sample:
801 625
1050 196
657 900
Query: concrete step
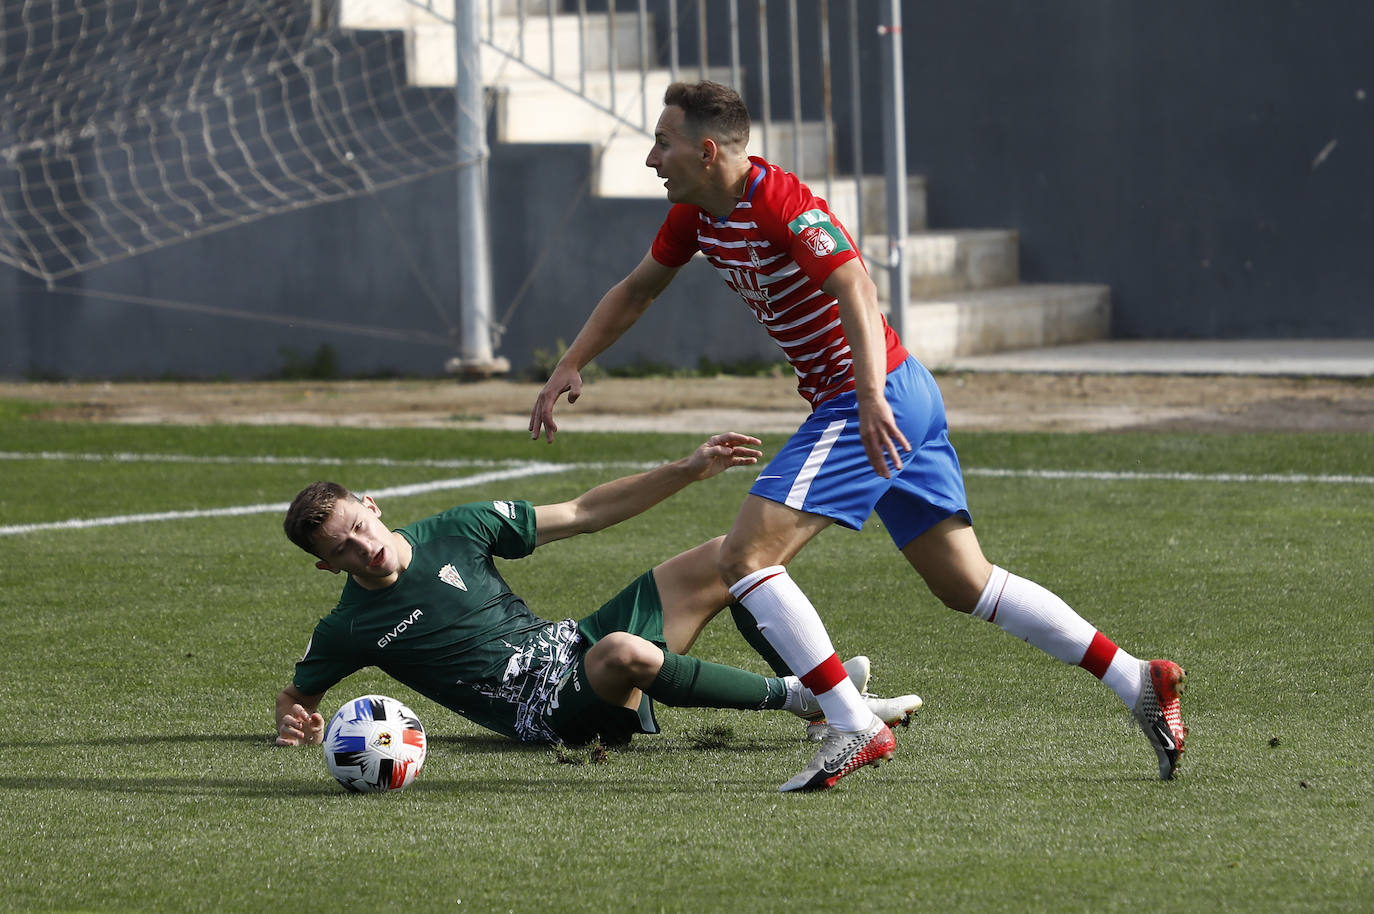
622 172
774 142
402 14
390 14
843 198
431 59
940 329
777 138
944 261
534 109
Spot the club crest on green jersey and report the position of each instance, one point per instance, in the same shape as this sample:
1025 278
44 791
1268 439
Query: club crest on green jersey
449 575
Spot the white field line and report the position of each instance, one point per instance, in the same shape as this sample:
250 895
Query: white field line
260 460
78 523
462 463
1113 476
457 463
523 469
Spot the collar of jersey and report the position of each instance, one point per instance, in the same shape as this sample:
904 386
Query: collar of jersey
756 173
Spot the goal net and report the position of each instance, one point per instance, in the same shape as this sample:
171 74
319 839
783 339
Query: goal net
128 125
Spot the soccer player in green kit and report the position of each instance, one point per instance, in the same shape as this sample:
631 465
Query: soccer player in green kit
426 604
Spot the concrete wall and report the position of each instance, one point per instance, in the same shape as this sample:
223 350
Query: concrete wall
557 251
250 301
1207 161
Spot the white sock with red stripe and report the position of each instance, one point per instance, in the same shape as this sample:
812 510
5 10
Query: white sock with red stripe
791 624
1028 611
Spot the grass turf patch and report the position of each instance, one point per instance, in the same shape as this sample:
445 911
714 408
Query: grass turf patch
147 655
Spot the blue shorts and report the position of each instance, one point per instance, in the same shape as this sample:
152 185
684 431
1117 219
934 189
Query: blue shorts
822 469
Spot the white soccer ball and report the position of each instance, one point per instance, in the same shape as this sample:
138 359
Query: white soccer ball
374 743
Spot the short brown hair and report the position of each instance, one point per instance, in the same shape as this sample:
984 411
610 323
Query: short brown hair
711 109
311 507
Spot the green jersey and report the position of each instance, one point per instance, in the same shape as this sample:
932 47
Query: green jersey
450 628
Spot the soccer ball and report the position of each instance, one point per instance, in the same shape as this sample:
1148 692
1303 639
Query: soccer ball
374 743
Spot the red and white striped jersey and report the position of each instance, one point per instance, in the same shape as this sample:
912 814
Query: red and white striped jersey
776 249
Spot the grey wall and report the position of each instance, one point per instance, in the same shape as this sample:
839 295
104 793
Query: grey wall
564 249
337 262
1170 150
382 265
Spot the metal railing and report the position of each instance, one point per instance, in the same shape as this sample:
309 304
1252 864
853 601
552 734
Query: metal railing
689 34
695 44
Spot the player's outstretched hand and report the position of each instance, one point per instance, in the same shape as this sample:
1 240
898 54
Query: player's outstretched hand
564 380
723 451
299 727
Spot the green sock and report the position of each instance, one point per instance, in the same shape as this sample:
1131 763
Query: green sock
686 682
749 628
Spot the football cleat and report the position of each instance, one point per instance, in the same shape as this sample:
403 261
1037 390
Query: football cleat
1157 712
843 752
858 669
895 712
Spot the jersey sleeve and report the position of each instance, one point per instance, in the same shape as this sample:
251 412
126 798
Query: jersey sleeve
506 529
328 659
811 233
676 240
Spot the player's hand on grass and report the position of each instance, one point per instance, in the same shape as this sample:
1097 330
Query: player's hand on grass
721 452
564 380
299 727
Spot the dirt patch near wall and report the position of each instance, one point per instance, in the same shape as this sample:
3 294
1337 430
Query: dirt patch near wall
975 400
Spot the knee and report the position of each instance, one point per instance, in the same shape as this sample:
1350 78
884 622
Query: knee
626 656
959 591
736 559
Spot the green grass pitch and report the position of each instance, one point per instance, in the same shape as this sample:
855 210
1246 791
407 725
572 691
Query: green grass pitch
141 659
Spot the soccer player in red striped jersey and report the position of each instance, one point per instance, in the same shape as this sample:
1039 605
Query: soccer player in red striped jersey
876 440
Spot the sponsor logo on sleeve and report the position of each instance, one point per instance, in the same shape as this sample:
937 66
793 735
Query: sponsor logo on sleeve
505 508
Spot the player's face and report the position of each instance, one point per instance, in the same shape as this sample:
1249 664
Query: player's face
355 541
677 158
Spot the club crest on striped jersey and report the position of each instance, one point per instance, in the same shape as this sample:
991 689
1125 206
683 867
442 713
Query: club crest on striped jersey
818 233
450 576
818 241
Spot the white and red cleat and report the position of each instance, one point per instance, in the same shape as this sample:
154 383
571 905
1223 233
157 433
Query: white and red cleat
843 752
1157 712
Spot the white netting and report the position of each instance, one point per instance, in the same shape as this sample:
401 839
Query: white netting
126 125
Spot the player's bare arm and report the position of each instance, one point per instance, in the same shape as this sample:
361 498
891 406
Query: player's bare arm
620 499
857 299
299 721
617 312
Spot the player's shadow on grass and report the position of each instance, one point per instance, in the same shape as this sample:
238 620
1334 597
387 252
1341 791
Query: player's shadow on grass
478 743
533 768
258 788
146 739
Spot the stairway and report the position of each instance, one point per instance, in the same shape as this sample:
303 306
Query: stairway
965 295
